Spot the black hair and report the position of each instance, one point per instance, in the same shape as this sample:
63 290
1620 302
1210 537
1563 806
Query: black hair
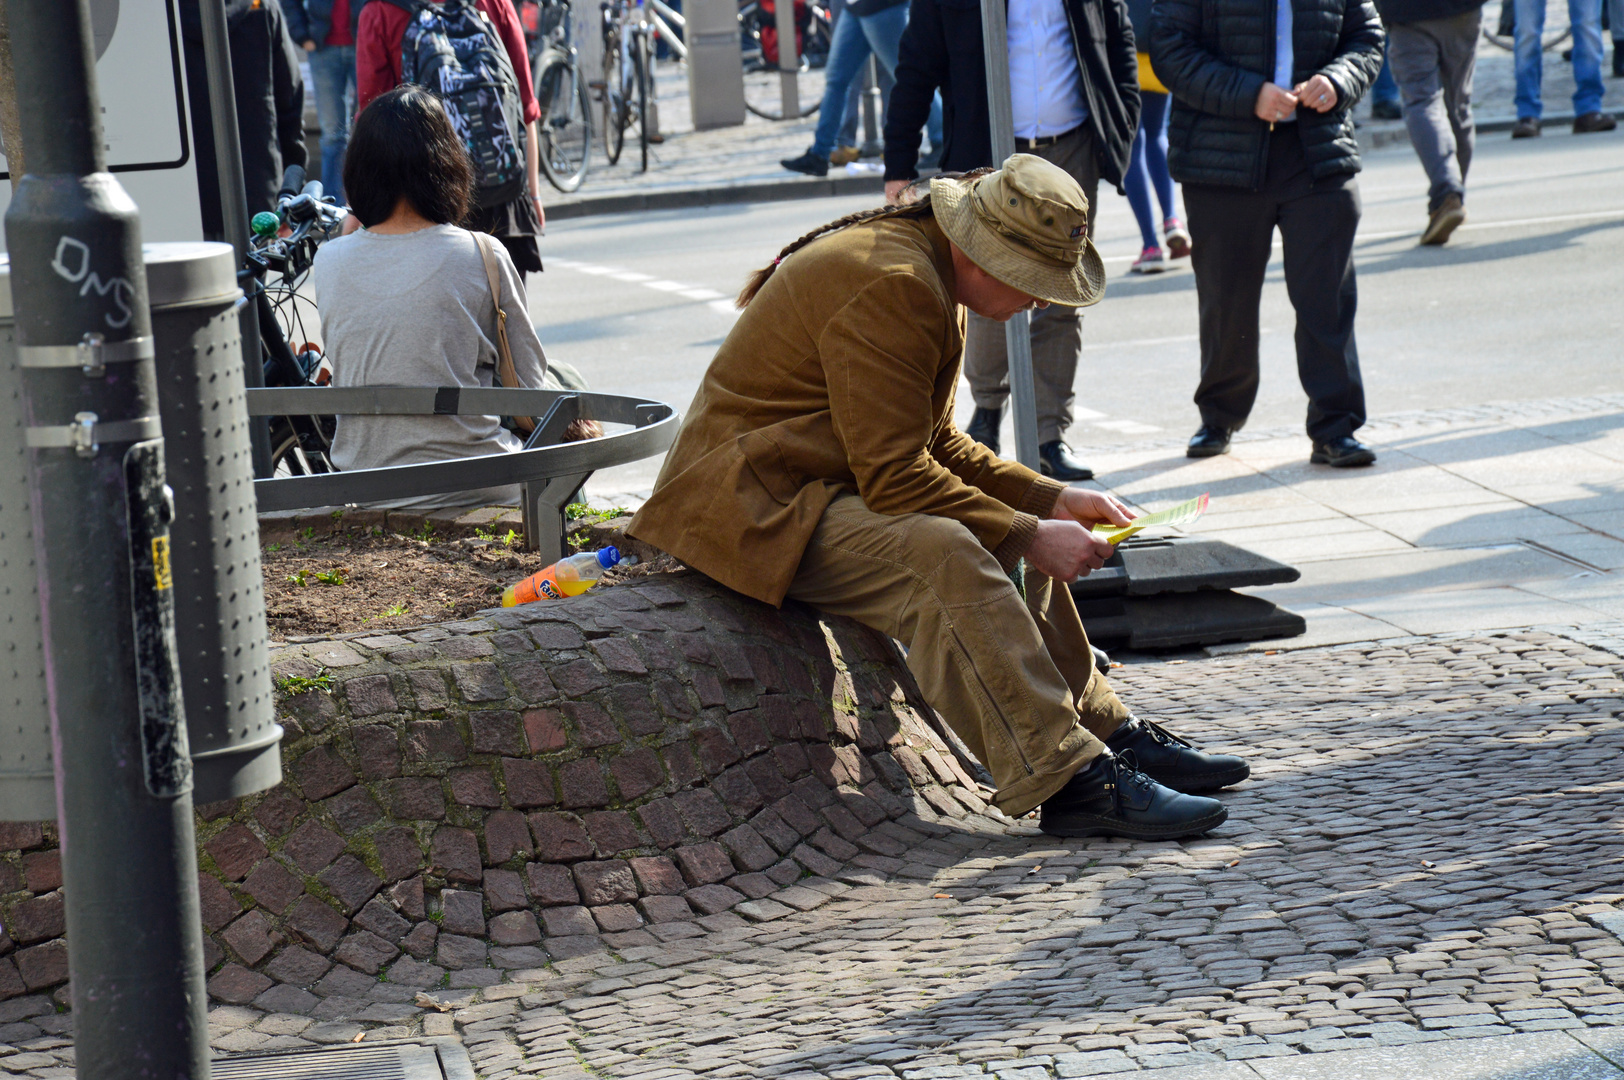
403 146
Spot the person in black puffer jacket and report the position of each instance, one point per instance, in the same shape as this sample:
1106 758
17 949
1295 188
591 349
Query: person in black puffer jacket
1262 136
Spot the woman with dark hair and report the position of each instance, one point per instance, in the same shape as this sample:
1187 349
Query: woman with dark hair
406 301
378 69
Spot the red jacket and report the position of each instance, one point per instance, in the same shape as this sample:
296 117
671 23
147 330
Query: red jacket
377 50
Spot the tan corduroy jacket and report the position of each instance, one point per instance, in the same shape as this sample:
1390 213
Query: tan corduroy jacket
839 376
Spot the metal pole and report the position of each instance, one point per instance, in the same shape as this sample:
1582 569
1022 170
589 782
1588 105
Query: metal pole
872 146
101 512
233 192
1018 331
789 59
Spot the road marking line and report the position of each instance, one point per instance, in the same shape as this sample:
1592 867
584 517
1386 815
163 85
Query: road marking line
701 294
632 276
665 286
1126 427
588 268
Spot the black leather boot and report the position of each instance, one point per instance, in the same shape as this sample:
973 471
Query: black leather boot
1112 798
1168 759
983 427
1341 453
1056 460
1208 441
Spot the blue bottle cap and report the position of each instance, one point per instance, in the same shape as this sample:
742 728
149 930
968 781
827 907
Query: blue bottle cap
608 557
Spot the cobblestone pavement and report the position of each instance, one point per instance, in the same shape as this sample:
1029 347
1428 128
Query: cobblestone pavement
1429 849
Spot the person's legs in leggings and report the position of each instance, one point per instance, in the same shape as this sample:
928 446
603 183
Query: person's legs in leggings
1585 18
980 653
1317 226
1153 125
1137 183
1529 56
1231 232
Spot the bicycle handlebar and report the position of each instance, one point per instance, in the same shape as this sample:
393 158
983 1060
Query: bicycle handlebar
293 179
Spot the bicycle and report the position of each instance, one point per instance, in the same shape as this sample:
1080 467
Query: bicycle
759 40
1504 34
300 445
627 74
561 92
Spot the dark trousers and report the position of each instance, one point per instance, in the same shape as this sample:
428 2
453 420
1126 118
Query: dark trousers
1231 230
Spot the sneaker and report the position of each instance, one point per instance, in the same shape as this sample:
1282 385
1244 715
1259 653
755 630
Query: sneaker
1526 127
1445 220
808 163
1593 121
1178 238
844 155
1150 261
1111 797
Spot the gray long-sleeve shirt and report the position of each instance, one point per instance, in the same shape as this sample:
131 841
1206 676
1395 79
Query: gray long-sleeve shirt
415 309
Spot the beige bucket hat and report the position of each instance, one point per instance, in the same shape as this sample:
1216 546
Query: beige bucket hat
1027 226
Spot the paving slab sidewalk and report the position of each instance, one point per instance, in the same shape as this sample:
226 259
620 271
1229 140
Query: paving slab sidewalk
1472 519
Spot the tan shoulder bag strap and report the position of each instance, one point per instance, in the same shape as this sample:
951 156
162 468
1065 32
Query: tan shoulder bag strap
505 371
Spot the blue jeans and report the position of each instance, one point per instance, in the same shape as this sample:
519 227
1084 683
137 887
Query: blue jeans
1147 167
332 69
855 37
1385 88
1585 17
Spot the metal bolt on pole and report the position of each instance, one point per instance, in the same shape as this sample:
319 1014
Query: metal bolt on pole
789 59
101 512
1018 331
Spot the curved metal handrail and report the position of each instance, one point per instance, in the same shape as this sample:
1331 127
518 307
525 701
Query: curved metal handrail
654 429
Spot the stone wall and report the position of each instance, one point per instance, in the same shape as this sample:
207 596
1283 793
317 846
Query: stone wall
492 795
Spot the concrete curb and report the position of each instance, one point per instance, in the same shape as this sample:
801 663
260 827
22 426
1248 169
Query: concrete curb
1378 134
717 195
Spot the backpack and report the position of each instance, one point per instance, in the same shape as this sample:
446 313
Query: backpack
453 51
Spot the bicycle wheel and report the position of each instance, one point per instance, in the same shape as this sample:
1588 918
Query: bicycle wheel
640 70
566 127
614 100
763 93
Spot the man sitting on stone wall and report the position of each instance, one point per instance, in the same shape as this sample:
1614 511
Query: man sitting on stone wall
819 461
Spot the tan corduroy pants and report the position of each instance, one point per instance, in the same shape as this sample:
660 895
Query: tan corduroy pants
1014 678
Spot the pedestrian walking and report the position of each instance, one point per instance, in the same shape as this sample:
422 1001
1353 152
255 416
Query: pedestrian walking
1433 48
819 462
519 220
1074 92
862 29
1584 19
1262 138
1148 182
325 29
269 95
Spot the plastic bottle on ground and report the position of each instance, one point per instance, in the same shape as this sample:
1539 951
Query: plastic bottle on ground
566 577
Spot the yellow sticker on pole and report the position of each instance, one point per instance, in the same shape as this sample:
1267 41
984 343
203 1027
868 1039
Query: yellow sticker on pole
1182 514
162 577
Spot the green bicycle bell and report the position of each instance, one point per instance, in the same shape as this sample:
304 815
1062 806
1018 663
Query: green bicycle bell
265 224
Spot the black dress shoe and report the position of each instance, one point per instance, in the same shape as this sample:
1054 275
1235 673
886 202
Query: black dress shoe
983 427
1056 459
1208 441
1168 759
1341 452
1102 660
808 163
1112 798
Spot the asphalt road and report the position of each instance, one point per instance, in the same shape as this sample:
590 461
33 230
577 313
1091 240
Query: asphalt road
1524 302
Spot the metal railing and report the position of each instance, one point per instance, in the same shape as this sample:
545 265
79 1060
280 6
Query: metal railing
548 471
